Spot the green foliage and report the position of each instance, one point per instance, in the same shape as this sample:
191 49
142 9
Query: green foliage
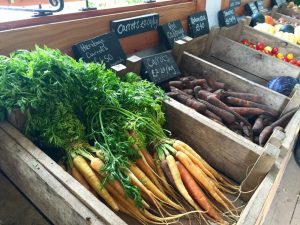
70 104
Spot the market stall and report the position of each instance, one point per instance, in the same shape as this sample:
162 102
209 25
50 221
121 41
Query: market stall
203 139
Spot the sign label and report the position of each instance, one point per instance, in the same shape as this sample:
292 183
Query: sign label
234 3
251 8
159 68
227 17
101 49
198 24
171 32
135 25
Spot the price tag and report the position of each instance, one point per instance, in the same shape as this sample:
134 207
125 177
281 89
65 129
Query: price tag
102 49
159 68
227 17
171 32
135 25
251 8
198 24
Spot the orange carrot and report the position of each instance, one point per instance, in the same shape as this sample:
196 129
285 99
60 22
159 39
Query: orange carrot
87 172
196 192
202 178
148 158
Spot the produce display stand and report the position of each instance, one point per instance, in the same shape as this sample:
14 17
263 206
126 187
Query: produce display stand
61 198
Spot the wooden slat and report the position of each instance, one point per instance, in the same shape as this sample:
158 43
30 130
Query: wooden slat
64 34
286 11
286 18
43 189
104 214
250 60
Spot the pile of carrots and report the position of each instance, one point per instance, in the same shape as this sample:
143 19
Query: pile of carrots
243 113
174 177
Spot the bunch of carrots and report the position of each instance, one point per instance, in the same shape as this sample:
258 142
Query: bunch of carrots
243 113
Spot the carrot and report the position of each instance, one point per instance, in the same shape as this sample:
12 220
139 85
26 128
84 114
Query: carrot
176 83
246 111
178 181
190 102
216 102
172 94
225 115
245 96
188 91
149 172
87 172
202 178
202 161
212 116
167 172
282 121
245 103
148 184
196 192
203 94
258 125
215 85
75 173
196 160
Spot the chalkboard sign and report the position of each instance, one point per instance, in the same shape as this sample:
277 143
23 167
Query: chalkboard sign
159 68
251 8
227 17
198 24
102 49
260 5
234 3
279 2
135 25
171 32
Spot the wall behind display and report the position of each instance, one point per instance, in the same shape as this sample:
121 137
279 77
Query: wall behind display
212 9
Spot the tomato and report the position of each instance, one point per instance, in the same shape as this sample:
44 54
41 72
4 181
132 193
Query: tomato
285 59
293 61
298 63
245 42
268 50
260 46
252 46
290 56
275 51
279 55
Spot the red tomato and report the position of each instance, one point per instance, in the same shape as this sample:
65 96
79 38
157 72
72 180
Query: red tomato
293 61
245 42
285 59
252 46
260 46
298 63
274 51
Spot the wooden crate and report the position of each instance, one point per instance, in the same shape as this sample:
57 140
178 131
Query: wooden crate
283 10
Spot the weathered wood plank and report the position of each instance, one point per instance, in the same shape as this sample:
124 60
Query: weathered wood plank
103 213
43 189
194 65
250 60
210 139
289 12
283 207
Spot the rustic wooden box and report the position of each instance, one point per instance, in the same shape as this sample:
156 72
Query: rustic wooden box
221 47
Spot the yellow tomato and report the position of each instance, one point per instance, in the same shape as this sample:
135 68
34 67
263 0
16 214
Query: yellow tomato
290 56
279 56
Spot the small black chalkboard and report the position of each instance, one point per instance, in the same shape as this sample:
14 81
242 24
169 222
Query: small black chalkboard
234 3
171 32
159 68
198 24
279 2
251 8
227 17
102 49
135 25
260 5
